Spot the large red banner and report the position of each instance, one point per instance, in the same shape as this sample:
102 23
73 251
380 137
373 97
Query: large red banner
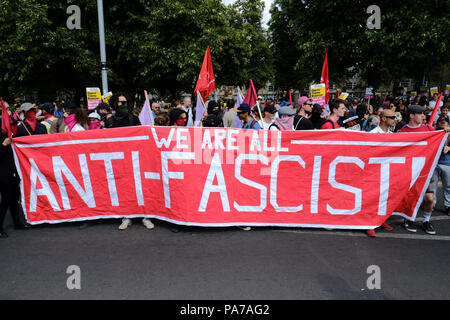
226 177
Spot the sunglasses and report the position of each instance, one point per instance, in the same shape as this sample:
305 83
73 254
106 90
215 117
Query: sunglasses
390 117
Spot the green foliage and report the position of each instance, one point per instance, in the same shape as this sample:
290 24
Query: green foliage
156 45
410 31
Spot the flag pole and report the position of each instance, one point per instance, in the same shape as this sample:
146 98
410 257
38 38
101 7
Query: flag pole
148 106
201 100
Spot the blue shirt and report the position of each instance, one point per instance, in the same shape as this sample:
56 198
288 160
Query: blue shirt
247 125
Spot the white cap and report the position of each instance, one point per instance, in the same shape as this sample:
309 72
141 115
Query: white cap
94 115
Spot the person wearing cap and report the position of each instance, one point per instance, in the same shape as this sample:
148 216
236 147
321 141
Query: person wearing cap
304 110
415 124
94 121
285 121
338 109
49 117
30 126
244 115
269 117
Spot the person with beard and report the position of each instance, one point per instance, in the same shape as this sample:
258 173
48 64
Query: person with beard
285 121
304 109
30 126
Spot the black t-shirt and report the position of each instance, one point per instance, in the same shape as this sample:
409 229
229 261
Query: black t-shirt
302 123
129 121
21 131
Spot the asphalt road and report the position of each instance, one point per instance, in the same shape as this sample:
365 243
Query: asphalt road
224 263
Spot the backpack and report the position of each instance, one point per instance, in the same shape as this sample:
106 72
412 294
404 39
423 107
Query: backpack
328 120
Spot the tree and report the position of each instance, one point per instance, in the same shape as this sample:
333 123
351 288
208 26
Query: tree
402 48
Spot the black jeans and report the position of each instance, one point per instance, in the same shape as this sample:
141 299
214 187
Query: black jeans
10 193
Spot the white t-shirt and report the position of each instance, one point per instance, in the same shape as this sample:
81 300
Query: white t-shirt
379 130
78 127
432 104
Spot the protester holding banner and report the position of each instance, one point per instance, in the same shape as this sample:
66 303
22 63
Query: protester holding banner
30 126
123 116
316 116
387 119
304 110
268 117
49 117
337 108
94 121
178 117
76 118
9 186
244 115
229 119
285 121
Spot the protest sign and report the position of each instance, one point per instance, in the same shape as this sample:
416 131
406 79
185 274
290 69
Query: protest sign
434 90
343 95
94 97
106 97
226 177
318 93
369 93
447 89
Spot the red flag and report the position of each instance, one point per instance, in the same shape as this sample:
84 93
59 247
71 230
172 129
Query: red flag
251 96
324 77
435 110
206 83
290 98
6 121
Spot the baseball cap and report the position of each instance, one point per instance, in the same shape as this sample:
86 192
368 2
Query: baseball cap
415 108
302 100
26 107
94 115
286 111
243 107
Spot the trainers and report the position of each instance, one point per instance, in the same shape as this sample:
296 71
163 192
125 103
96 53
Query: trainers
125 224
148 224
410 226
386 227
447 211
3 234
371 233
428 228
244 228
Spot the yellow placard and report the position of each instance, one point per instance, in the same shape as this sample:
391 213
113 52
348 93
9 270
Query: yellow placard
318 90
107 96
343 96
434 90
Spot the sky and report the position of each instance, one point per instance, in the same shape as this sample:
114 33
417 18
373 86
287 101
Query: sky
266 14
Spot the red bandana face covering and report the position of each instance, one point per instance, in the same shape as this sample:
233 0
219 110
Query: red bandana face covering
181 122
30 117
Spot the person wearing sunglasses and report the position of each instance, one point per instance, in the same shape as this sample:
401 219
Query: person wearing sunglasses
304 110
387 120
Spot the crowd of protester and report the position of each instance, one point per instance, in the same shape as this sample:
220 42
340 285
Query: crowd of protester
380 114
